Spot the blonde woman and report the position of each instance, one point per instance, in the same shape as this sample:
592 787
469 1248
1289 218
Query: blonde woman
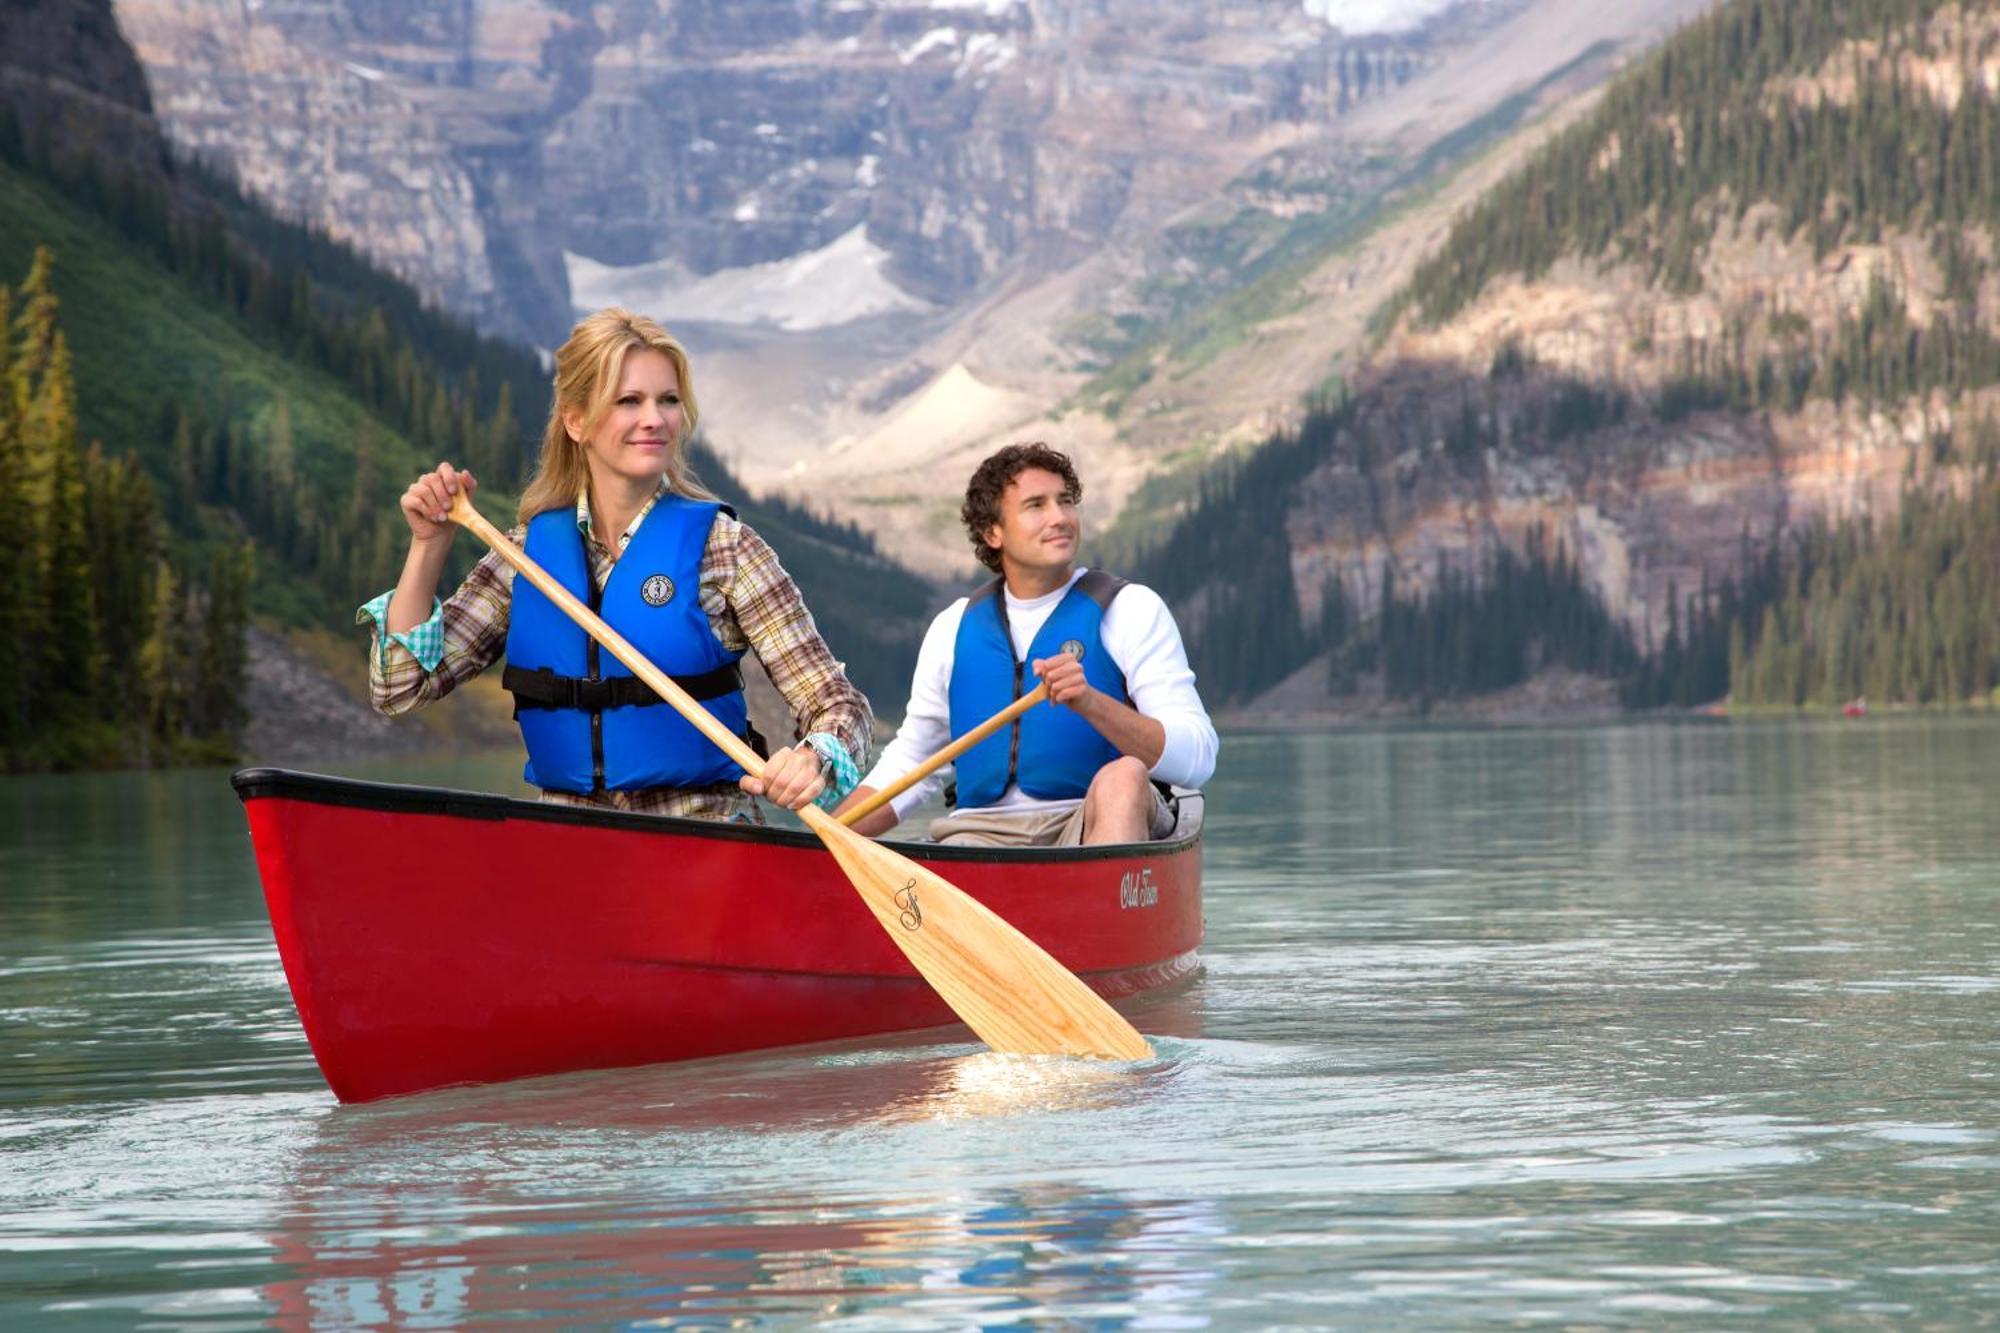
614 512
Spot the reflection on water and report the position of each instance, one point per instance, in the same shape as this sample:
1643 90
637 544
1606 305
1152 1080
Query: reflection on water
1595 1026
1027 1254
501 1212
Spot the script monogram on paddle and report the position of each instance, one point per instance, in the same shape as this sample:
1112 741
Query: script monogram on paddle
912 916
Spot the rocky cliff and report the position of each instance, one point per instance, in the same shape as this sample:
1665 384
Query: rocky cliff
474 145
72 85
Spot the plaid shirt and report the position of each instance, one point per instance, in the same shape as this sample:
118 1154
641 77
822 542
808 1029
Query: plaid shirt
751 603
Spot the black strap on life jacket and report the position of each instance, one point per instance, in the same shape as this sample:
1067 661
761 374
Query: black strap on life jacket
1095 584
1100 587
543 688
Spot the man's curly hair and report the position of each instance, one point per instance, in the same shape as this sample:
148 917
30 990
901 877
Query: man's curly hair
981 509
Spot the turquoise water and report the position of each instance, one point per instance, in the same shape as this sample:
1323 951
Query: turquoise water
1644 1025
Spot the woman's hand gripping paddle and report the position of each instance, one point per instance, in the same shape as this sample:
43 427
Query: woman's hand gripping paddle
1002 984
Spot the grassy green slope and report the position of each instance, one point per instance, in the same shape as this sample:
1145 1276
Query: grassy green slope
143 339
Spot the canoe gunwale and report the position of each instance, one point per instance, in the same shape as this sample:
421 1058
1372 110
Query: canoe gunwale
263 782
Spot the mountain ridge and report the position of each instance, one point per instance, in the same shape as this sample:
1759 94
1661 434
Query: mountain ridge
1679 355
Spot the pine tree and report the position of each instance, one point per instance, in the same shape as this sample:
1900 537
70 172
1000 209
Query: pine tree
17 589
69 583
183 470
42 422
124 523
217 706
162 667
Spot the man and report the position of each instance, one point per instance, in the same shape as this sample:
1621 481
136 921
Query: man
1122 712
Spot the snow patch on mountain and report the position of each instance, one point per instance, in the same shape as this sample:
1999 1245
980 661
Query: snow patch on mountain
1358 18
819 289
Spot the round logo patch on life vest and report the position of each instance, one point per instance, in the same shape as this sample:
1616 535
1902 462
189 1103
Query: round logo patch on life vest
1074 647
657 590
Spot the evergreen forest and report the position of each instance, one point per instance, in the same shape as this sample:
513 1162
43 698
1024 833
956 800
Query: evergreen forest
1896 609
115 647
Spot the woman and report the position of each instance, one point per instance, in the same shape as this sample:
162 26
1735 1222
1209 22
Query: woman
615 514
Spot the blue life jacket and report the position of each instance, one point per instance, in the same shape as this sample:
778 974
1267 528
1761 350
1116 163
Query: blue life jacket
588 723
1049 752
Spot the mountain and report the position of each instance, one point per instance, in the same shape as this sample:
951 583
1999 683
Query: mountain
476 147
899 232
272 386
1722 349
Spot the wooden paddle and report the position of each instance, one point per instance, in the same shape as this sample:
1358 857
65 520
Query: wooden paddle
1002 984
947 754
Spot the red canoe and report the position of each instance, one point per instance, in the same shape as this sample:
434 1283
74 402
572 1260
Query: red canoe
434 937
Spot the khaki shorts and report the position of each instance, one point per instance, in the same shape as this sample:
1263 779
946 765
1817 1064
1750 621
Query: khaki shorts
1032 828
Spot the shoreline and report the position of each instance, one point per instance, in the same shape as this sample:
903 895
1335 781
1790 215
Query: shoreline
307 696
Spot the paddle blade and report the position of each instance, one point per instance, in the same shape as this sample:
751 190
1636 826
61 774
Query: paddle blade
1002 984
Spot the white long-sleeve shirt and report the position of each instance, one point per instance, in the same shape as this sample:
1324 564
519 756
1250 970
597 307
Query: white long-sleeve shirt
1140 634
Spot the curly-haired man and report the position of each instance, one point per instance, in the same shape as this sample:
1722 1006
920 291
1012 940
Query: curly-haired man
1123 721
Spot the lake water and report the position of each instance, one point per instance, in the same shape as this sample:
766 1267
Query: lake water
1651 1024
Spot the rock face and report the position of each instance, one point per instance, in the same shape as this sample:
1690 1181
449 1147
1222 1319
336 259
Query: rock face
472 145
1649 510
1589 398
75 43
69 80
1651 506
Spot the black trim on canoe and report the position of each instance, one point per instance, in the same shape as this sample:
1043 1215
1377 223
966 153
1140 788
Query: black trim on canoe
398 798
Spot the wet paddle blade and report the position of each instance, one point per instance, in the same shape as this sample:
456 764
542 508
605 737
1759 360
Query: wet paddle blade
1002 984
